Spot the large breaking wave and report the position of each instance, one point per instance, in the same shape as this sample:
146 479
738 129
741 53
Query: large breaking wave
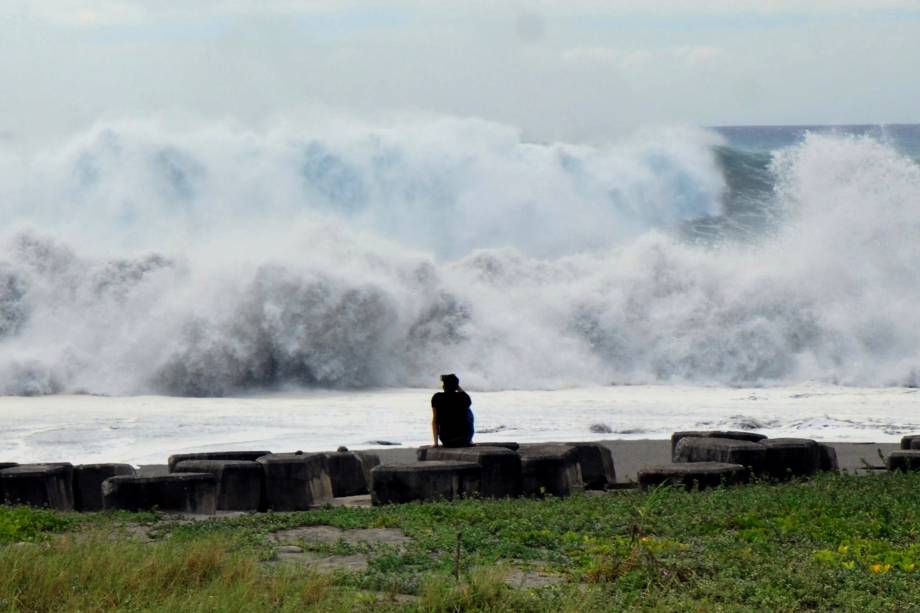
211 261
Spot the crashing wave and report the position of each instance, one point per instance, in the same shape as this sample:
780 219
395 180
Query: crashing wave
215 262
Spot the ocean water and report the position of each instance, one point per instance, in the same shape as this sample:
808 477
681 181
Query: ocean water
144 258
147 429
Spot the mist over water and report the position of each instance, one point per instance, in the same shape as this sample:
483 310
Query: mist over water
142 259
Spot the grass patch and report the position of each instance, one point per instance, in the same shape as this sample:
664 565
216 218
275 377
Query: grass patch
26 524
840 543
96 573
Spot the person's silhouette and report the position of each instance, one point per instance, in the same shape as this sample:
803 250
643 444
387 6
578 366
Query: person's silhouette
451 418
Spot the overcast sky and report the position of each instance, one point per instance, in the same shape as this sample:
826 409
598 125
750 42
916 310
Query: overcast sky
559 69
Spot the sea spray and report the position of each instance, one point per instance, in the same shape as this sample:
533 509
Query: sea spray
217 262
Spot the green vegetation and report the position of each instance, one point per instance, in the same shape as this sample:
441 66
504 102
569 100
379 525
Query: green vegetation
835 543
25 524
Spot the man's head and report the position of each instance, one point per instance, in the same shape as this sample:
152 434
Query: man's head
450 382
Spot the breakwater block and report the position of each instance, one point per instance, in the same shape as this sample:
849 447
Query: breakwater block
693 474
791 457
828 458
295 481
239 456
39 485
903 460
501 467
596 461
2 466
239 483
734 435
369 460
906 441
729 451
347 473
178 492
429 480
421 454
87 483
550 469
507 445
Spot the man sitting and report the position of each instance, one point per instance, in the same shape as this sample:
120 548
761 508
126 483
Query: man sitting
452 419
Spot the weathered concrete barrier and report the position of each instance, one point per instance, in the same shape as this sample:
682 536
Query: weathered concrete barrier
729 451
178 492
506 444
550 469
39 485
693 474
87 483
907 441
295 481
429 480
368 460
2 466
501 467
239 483
828 458
751 437
420 453
347 473
597 468
239 456
791 457
908 459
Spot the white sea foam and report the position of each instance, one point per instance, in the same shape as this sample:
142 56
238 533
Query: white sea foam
147 429
215 260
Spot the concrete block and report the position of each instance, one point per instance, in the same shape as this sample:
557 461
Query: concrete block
176 492
792 457
501 468
693 474
347 473
369 460
295 481
239 456
904 460
421 452
734 435
728 451
596 461
87 483
907 441
239 483
429 480
39 485
828 458
550 469
2 466
506 444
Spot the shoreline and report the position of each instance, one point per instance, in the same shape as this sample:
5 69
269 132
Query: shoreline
147 429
